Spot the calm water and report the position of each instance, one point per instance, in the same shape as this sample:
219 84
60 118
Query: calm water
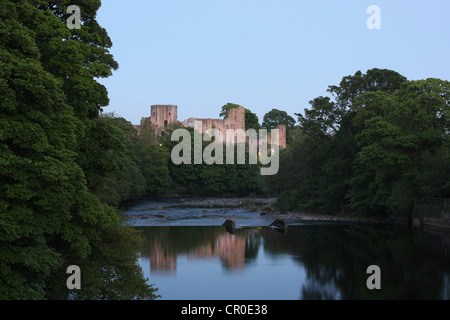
188 255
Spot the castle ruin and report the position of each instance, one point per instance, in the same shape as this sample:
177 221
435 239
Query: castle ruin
162 116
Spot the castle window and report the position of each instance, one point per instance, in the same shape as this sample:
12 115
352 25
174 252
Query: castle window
165 123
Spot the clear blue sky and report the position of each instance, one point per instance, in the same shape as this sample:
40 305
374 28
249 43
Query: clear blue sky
262 54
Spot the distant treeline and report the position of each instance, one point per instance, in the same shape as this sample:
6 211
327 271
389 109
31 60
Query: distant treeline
140 166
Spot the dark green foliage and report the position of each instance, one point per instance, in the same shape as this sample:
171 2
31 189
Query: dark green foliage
154 169
251 120
109 158
275 117
402 132
380 146
77 57
40 179
114 274
213 180
49 217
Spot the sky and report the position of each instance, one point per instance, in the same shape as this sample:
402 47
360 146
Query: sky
262 54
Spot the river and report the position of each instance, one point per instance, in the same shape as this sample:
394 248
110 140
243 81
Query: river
189 255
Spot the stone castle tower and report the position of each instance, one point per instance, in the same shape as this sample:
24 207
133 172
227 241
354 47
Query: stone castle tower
162 115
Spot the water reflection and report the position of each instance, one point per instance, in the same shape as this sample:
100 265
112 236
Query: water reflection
308 262
228 247
163 245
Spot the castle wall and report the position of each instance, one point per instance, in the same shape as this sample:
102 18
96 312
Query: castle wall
162 115
235 120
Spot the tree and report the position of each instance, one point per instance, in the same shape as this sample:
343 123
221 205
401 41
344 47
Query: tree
251 120
49 217
321 170
76 57
324 118
275 117
40 179
108 155
215 179
155 169
401 131
380 146
373 80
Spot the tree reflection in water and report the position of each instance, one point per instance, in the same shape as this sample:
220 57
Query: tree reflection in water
335 257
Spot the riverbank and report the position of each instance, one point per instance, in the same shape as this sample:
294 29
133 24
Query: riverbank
338 217
266 207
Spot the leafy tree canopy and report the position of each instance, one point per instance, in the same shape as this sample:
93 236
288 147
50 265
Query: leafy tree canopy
276 117
50 215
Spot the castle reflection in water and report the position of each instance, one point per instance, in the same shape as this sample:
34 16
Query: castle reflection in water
230 248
